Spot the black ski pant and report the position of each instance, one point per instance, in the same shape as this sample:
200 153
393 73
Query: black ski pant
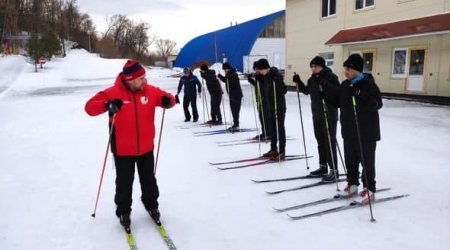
125 167
264 115
192 100
353 158
215 108
279 137
323 145
235 105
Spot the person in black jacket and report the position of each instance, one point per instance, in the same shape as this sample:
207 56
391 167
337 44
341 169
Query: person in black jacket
191 86
256 80
359 90
275 90
215 91
322 75
233 86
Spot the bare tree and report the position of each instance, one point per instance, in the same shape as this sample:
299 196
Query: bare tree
8 19
165 48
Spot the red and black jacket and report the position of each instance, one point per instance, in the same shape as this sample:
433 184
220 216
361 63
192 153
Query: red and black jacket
134 127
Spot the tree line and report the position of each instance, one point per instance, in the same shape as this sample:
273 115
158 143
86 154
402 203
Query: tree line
48 21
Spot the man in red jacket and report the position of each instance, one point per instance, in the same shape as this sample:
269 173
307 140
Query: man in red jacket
132 101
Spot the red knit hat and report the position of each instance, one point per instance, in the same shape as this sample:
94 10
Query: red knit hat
132 70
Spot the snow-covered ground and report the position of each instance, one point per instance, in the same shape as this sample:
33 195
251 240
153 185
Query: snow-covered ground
51 155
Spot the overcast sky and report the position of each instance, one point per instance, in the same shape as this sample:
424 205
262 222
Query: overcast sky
180 20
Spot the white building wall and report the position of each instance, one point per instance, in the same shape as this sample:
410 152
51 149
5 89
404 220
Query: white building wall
273 49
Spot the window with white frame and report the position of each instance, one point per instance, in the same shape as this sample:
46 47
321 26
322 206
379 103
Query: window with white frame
328 8
329 60
361 4
399 62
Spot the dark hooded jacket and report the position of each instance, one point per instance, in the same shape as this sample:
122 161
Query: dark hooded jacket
367 101
314 89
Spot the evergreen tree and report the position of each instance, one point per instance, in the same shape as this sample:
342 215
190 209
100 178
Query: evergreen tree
50 44
35 50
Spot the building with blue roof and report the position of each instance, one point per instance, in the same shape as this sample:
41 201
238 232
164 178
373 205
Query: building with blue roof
240 45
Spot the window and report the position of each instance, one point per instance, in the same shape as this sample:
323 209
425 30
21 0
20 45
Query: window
399 62
417 62
368 62
361 4
276 29
328 7
329 60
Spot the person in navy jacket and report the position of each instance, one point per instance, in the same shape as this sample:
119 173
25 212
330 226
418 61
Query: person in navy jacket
191 86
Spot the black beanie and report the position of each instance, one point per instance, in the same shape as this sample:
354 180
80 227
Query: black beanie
255 65
262 64
354 61
226 66
203 67
318 61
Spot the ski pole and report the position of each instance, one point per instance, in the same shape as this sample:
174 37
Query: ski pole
159 140
342 160
361 153
301 122
104 164
276 116
223 107
256 121
325 113
229 100
261 106
203 100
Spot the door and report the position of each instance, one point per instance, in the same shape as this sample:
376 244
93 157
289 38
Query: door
416 70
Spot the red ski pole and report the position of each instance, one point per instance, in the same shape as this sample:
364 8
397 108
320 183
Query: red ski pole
159 140
104 164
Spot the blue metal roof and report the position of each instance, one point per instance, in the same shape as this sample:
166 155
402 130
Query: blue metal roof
232 43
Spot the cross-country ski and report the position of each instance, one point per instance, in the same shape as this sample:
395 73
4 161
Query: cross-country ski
322 201
351 205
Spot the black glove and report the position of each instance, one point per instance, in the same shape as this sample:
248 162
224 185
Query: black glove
250 79
222 78
165 100
296 78
114 105
177 99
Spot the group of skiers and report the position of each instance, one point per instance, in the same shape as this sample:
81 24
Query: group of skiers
131 104
270 91
191 85
358 98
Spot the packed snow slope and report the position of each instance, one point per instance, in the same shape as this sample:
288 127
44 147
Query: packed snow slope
52 152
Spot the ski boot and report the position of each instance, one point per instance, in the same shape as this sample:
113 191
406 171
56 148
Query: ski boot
155 214
272 153
233 129
349 191
366 195
321 171
278 157
331 177
125 221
